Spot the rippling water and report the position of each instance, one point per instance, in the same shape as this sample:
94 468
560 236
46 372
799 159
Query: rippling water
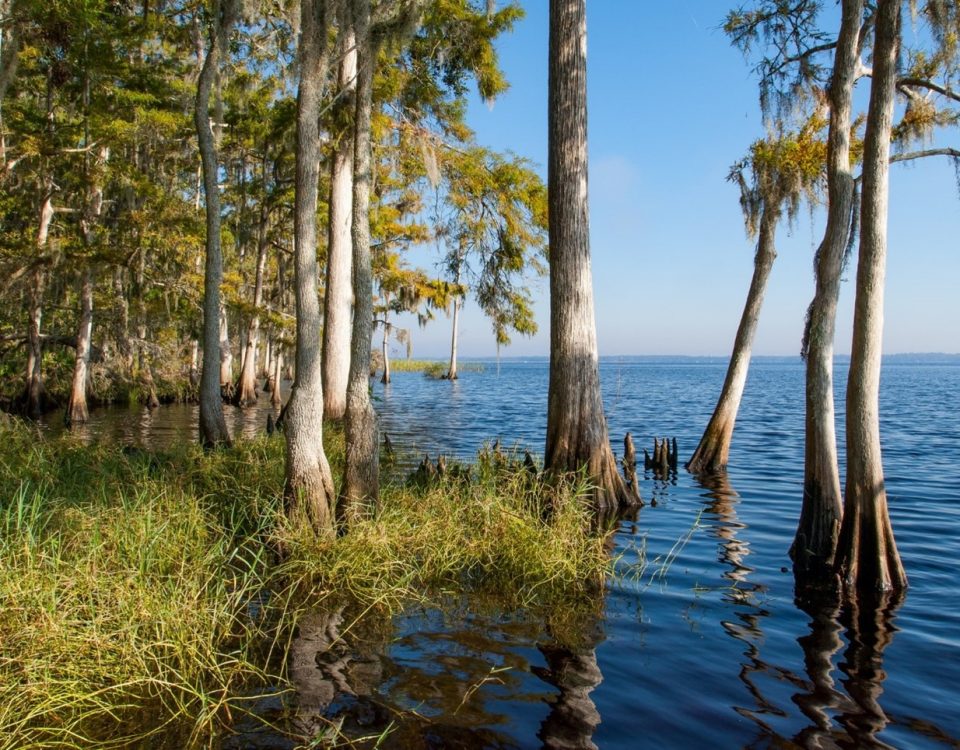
713 653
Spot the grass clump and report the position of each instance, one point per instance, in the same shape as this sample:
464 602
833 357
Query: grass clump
127 604
485 534
142 604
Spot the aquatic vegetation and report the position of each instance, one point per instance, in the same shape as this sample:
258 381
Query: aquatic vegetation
141 595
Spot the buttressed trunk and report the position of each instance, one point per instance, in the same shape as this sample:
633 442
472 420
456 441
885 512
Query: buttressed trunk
577 437
77 412
713 451
815 542
338 299
213 427
867 557
309 484
361 473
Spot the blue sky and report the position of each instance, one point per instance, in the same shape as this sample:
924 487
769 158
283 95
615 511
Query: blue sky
671 106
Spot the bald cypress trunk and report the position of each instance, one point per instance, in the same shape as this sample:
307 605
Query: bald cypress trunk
247 386
361 474
77 411
713 450
35 392
815 542
213 427
309 483
577 437
338 299
867 557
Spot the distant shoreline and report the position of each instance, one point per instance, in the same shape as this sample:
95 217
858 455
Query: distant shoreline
939 358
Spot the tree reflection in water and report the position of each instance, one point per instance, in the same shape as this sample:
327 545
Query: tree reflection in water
571 668
868 628
844 716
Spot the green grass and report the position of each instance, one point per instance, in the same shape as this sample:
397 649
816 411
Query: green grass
432 368
141 603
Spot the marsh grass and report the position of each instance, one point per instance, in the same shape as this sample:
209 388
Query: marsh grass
435 369
141 602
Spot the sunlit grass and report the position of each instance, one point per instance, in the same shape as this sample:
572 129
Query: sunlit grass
141 600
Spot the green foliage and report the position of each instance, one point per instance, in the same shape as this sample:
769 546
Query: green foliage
493 226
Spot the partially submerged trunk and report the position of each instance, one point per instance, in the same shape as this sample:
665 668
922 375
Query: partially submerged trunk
815 542
309 484
577 438
338 298
361 473
213 427
452 370
385 346
713 450
77 412
867 557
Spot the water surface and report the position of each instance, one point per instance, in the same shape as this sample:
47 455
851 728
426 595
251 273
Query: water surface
711 651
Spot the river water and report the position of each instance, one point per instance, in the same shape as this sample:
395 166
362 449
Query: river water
710 650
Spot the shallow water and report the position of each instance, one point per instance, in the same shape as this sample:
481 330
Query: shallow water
711 651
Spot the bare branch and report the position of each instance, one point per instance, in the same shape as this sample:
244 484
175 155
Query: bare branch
930 85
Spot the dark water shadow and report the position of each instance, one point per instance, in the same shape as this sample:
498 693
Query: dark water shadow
745 597
572 670
848 715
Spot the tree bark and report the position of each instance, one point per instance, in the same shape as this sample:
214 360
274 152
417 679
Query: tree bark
815 542
213 427
309 484
247 386
226 354
386 350
577 437
77 412
867 557
452 370
361 473
275 397
35 393
338 300
713 450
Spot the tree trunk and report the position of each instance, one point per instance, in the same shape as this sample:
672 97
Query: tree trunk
275 398
247 387
577 437
338 299
35 393
124 345
714 449
77 412
226 354
815 542
452 370
386 350
213 427
867 557
309 484
361 474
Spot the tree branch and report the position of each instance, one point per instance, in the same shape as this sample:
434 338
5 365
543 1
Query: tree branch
930 85
924 153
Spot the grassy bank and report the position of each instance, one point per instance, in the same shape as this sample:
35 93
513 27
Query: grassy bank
140 600
430 367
